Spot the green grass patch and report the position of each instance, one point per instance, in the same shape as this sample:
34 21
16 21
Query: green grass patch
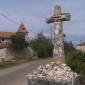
7 64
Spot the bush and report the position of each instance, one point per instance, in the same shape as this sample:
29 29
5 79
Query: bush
76 60
42 45
18 43
68 47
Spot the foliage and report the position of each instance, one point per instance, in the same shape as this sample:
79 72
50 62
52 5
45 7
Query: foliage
75 59
7 64
68 47
18 43
42 45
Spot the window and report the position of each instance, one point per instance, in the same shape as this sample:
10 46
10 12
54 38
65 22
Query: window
2 39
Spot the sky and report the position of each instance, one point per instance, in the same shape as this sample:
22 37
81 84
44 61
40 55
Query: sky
33 14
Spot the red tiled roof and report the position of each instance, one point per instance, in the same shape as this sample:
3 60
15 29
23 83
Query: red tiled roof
21 29
6 34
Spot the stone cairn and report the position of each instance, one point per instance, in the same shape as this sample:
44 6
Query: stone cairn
55 73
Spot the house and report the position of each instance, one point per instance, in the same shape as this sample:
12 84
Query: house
81 46
6 54
5 36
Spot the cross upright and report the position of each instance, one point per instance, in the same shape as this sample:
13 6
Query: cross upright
57 19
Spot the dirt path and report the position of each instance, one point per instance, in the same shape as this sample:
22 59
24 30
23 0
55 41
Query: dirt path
17 75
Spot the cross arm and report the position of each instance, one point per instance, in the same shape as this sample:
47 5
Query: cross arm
61 17
65 16
50 20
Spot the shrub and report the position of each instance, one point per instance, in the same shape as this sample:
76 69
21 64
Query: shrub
18 43
42 45
76 61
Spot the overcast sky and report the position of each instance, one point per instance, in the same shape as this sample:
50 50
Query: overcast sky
33 12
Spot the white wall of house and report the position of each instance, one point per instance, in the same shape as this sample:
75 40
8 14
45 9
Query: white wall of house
81 48
4 55
4 41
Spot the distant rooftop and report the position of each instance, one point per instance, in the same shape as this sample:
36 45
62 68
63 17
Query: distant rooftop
83 43
22 29
6 34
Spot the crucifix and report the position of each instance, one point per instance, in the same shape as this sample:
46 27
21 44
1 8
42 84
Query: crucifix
57 19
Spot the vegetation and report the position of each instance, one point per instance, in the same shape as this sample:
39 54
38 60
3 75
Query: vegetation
74 58
18 43
6 64
68 47
42 45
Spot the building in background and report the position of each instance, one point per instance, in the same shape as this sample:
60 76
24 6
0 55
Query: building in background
81 46
6 54
5 36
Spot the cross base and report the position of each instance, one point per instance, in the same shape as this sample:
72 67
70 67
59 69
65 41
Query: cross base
57 58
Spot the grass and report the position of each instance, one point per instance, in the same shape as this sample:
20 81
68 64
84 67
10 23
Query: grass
7 64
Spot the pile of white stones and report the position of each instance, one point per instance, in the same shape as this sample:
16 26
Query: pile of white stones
55 71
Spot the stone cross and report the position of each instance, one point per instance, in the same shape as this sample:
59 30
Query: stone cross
57 19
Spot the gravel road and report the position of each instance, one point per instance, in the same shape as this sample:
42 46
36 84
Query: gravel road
17 75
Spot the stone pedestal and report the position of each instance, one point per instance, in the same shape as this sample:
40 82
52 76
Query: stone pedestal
46 82
55 73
